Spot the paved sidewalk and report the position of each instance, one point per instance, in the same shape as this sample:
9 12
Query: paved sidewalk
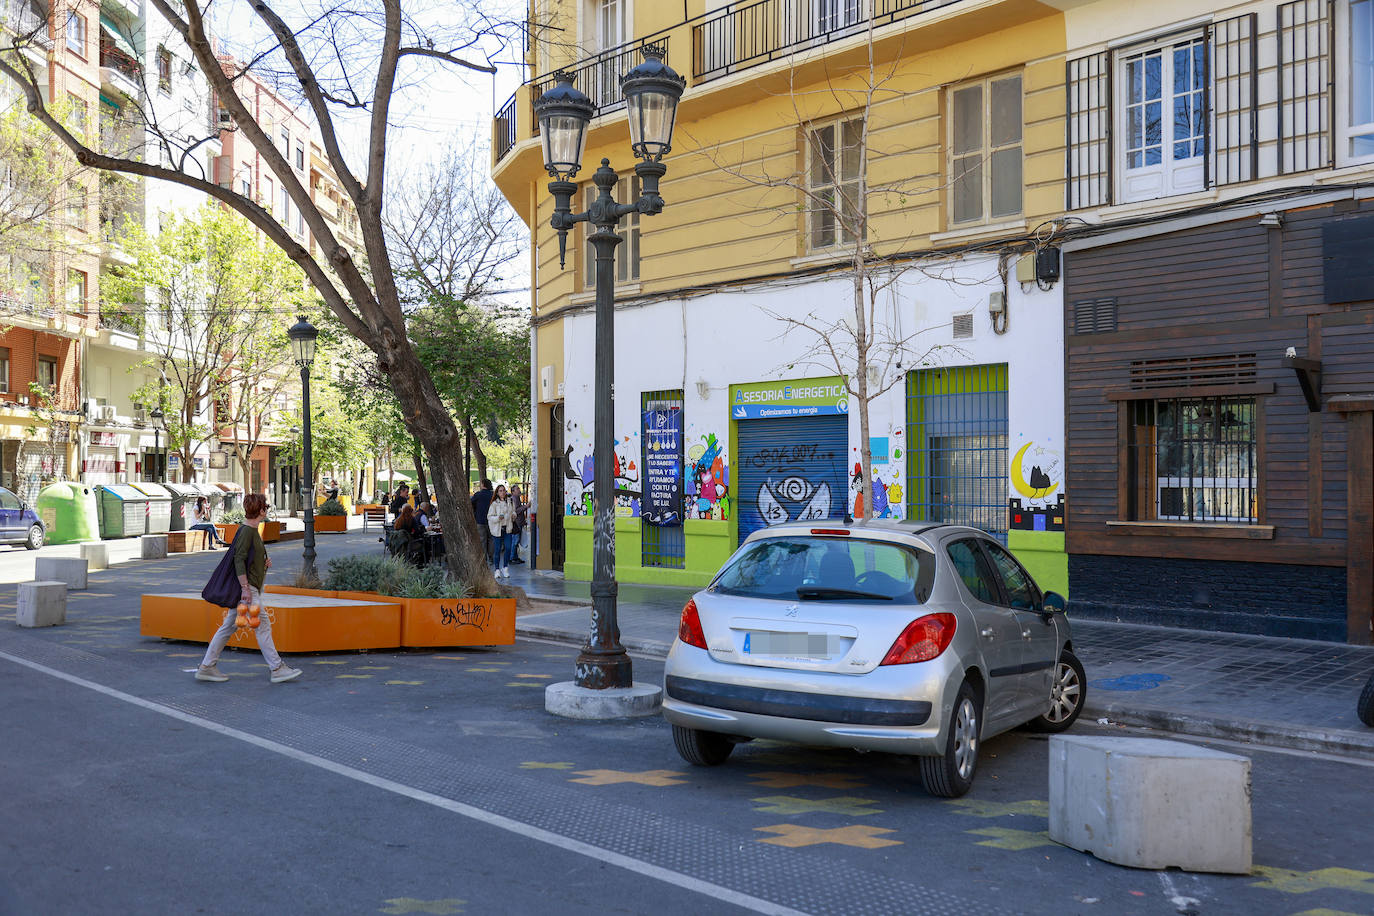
1277 692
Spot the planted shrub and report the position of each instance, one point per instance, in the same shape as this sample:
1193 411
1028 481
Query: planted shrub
431 581
331 506
362 572
233 516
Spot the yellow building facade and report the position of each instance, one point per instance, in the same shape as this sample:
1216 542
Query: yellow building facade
939 134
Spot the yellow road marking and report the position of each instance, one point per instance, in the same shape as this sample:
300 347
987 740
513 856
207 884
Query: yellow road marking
541 676
1007 838
789 806
356 677
406 683
793 780
523 684
486 670
645 778
374 667
1301 882
537 765
328 662
402 905
979 808
861 836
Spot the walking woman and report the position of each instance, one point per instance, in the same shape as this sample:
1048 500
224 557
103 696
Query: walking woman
501 523
202 515
251 563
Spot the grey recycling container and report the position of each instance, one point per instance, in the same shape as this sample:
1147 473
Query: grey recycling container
159 515
123 510
184 496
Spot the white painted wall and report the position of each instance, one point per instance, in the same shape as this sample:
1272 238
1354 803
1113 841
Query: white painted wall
730 337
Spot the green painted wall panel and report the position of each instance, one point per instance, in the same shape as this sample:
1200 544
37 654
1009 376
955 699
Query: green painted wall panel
709 544
1042 553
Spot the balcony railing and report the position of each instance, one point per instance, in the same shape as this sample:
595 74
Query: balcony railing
122 321
25 18
599 75
505 128
747 34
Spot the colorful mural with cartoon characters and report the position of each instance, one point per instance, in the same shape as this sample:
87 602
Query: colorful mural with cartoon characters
888 455
1039 501
707 480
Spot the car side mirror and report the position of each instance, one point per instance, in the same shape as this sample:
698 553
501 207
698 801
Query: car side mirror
1053 603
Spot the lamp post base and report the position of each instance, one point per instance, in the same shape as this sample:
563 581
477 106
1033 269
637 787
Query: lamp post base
570 701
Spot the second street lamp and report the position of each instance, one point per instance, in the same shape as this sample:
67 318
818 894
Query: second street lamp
303 335
651 91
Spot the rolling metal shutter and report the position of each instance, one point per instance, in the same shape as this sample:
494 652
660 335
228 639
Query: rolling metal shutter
790 469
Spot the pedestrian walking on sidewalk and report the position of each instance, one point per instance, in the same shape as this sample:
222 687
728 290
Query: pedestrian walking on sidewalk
203 523
481 502
501 523
251 563
522 509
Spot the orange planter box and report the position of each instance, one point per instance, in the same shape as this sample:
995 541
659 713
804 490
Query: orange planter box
360 508
457 621
305 622
331 524
270 531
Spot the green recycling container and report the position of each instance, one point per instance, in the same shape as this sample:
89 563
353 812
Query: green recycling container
69 513
123 510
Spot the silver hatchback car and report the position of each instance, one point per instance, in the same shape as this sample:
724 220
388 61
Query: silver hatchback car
908 637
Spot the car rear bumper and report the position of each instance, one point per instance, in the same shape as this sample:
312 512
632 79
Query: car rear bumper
901 712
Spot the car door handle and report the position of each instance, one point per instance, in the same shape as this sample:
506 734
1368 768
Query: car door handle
987 632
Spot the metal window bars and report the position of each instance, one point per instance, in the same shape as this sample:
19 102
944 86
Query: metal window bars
1304 86
957 459
1235 100
1193 460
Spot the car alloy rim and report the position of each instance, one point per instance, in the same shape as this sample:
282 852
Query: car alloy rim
965 739
1064 696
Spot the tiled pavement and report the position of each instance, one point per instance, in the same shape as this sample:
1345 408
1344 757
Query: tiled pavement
1281 692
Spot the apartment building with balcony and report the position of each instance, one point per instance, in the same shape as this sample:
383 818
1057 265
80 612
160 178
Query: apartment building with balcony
50 314
1218 314
958 108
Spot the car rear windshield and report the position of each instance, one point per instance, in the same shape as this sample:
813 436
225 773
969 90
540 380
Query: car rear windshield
830 569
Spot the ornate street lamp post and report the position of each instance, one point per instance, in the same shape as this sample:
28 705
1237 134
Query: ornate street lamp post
651 91
303 335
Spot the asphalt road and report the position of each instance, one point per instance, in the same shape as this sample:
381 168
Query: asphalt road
434 782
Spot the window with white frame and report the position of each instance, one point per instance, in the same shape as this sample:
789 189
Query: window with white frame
834 183
1355 81
5 370
76 33
985 149
832 15
285 213
627 252
76 290
1162 118
47 373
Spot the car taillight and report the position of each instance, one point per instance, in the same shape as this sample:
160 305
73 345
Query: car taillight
689 629
923 639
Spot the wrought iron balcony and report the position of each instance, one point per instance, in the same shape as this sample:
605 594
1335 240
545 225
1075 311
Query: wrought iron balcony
26 19
752 32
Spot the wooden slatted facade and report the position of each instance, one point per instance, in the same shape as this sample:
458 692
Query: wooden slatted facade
1218 291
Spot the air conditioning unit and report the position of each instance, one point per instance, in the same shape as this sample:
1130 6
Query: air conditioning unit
106 412
225 119
141 415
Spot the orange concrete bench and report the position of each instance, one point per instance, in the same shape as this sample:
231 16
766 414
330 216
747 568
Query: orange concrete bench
300 623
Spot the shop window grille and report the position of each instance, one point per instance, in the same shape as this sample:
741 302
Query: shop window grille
662 546
1193 460
957 460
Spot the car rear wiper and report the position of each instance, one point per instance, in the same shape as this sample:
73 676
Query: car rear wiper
819 591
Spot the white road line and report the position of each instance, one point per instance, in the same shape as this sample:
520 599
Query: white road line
600 854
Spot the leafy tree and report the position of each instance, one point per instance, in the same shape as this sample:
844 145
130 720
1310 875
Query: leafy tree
212 280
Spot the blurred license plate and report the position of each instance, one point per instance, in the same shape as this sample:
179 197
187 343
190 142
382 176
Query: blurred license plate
792 645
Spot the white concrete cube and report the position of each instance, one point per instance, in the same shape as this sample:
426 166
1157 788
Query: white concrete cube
71 570
1151 803
41 604
153 547
97 556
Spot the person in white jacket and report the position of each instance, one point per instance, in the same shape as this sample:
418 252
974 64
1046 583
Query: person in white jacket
501 524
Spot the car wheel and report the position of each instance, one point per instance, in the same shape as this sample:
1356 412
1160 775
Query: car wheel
701 748
950 774
35 538
1067 693
1366 707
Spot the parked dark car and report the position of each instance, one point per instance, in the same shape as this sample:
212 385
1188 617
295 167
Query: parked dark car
19 524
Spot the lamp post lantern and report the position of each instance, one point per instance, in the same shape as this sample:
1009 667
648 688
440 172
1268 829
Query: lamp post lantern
651 92
303 335
157 416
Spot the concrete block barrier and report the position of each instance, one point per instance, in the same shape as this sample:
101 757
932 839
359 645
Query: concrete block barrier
153 546
41 604
97 556
71 570
1151 803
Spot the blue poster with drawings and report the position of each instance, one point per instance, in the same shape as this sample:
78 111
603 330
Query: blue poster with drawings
661 502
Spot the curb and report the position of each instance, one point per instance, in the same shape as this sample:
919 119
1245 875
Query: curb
1267 734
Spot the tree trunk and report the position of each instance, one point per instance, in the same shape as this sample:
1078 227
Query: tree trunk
423 495
427 420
